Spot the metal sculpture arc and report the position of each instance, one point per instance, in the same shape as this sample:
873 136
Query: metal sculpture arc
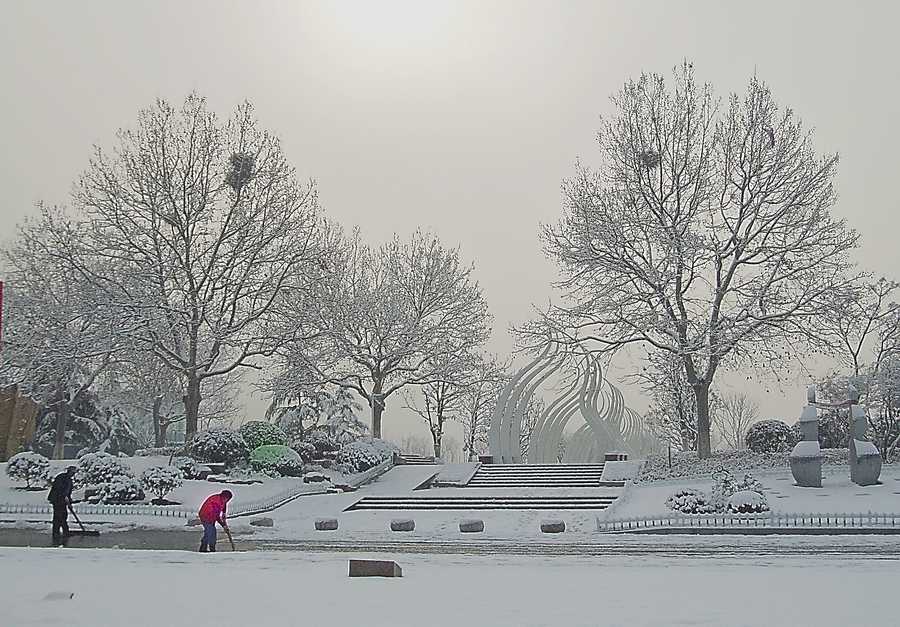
609 425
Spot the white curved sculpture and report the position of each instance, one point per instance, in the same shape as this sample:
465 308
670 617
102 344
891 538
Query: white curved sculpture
609 424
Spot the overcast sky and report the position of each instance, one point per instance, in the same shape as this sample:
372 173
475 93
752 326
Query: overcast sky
460 117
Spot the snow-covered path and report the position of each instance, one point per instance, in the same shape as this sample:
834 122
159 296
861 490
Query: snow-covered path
150 588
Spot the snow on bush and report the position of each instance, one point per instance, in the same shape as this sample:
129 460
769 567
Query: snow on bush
160 451
720 499
121 489
188 468
315 477
257 433
770 436
725 486
160 480
747 502
325 445
690 501
686 465
362 455
219 445
306 450
32 468
276 459
96 469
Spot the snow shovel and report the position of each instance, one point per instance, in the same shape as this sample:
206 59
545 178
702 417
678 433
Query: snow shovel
83 531
230 539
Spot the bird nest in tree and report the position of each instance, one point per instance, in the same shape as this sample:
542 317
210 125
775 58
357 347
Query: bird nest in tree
649 159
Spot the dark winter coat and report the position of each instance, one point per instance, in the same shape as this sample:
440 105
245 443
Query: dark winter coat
61 490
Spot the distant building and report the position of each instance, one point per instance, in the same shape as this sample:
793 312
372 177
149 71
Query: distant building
18 415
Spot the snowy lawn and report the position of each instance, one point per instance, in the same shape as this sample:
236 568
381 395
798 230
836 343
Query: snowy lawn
112 588
837 494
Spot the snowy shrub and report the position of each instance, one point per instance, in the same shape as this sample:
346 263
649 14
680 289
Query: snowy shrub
276 459
747 502
315 477
160 480
362 455
257 433
96 469
188 468
770 436
686 465
726 486
325 445
121 489
122 438
219 445
690 501
159 451
306 450
32 468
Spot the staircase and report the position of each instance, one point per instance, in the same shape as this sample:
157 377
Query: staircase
475 503
541 476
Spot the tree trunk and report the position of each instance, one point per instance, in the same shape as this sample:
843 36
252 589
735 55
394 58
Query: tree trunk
704 448
377 402
159 438
437 436
192 408
62 421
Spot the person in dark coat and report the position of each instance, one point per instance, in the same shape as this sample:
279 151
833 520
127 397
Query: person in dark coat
61 498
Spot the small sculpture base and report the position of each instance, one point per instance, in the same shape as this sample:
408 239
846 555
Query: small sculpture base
806 464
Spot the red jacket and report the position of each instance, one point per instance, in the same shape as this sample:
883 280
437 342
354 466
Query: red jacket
213 509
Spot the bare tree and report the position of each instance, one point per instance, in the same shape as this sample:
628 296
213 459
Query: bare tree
533 411
866 331
865 316
478 402
59 335
737 411
197 228
389 318
460 394
706 233
672 415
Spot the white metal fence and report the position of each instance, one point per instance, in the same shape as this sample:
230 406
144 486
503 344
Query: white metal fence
101 510
869 520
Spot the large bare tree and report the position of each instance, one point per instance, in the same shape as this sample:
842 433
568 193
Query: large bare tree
705 233
388 318
203 226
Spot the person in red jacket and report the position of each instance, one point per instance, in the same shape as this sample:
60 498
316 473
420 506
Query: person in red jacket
211 512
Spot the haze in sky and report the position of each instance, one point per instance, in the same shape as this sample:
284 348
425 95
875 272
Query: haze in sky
460 117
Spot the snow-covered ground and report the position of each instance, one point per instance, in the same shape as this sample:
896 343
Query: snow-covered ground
150 588
837 494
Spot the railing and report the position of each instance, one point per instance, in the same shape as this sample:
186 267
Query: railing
869 520
102 510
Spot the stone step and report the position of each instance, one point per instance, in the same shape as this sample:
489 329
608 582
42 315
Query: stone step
402 504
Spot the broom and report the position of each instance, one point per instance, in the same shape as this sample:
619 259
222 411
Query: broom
83 532
230 539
